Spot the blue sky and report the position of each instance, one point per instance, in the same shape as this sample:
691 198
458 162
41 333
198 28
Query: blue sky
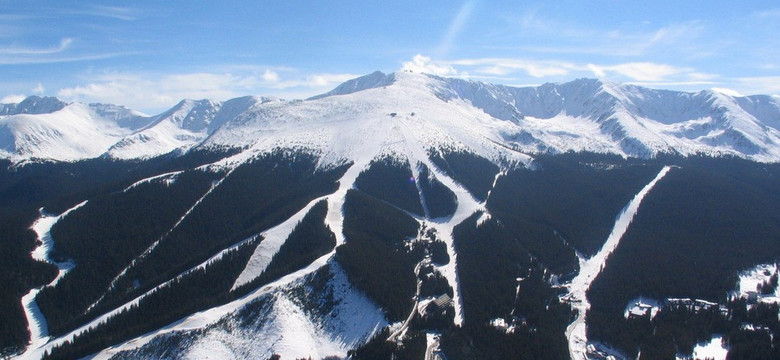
148 55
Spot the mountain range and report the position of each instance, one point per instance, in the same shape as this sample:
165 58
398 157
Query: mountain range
399 215
581 115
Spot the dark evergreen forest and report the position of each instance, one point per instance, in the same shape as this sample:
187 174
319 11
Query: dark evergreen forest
704 222
56 187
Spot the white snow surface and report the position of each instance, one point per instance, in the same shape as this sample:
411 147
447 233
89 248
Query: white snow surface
576 332
750 279
285 328
714 349
583 114
273 239
642 306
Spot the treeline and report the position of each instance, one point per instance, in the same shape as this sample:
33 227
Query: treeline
697 228
374 256
198 290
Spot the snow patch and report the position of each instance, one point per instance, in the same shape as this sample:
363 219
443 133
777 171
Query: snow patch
642 306
714 349
750 281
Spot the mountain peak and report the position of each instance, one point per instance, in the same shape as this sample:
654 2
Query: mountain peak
33 105
373 80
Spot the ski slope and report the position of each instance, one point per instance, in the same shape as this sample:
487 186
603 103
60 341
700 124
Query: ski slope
590 268
36 322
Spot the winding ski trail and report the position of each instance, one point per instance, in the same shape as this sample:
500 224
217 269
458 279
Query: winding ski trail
36 322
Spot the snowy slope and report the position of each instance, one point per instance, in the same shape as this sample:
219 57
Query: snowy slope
71 133
402 115
369 123
299 316
49 129
594 115
583 114
33 105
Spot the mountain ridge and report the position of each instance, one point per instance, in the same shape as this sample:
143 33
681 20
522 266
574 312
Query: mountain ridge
580 115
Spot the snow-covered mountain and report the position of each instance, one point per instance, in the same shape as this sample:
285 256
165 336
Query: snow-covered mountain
49 129
418 211
583 114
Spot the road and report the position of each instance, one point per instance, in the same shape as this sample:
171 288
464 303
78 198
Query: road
433 347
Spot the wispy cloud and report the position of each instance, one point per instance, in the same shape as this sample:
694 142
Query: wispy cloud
565 37
36 59
114 12
21 50
287 78
455 27
727 91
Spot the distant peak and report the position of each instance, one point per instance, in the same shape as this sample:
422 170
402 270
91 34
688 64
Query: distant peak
373 80
34 105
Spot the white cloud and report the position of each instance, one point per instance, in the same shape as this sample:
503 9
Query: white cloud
146 92
519 70
39 89
727 91
319 82
153 92
639 71
768 85
12 99
270 76
598 71
503 66
424 64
